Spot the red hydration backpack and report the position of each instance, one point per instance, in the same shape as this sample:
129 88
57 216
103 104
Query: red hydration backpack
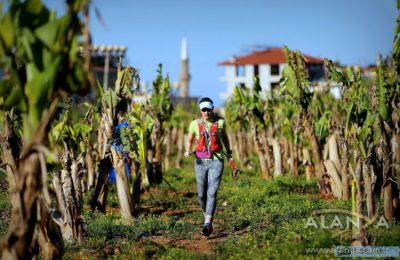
202 150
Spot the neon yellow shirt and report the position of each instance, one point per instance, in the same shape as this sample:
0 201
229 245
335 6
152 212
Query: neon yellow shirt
194 128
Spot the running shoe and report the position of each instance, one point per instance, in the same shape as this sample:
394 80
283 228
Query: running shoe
207 230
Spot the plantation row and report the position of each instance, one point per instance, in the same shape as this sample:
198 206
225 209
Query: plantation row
55 150
351 143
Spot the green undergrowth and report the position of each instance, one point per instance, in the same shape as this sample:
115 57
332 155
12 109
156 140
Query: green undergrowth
255 219
5 205
109 226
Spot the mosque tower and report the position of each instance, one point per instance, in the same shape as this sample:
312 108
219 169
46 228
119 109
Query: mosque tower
184 77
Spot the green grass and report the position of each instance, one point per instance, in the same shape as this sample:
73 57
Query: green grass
255 219
5 208
269 217
5 205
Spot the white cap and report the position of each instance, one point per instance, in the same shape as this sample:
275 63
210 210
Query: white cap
206 104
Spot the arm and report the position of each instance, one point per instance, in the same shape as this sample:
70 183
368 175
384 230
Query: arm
189 144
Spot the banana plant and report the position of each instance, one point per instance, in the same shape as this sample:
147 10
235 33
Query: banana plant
253 107
160 109
396 42
39 53
328 126
116 108
387 89
179 119
273 116
290 128
133 139
360 133
11 144
73 139
296 90
321 111
91 119
395 115
237 131
360 118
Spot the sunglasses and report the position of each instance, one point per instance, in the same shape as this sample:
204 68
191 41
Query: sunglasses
206 110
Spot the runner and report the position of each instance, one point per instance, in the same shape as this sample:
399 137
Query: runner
208 129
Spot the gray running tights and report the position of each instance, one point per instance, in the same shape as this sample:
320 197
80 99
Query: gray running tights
208 178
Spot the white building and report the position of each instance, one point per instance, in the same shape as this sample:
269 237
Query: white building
268 65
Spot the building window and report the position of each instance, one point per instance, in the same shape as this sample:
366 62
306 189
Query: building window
274 85
240 71
316 72
255 70
275 69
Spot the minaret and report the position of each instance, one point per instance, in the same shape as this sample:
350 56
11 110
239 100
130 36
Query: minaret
184 77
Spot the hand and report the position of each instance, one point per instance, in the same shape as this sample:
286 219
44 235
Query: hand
229 153
187 153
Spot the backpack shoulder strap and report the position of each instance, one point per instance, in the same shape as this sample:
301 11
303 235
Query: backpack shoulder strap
201 126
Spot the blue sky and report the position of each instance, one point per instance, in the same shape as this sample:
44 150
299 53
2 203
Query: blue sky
349 31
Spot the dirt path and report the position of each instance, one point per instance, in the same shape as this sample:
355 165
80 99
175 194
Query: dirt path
197 242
